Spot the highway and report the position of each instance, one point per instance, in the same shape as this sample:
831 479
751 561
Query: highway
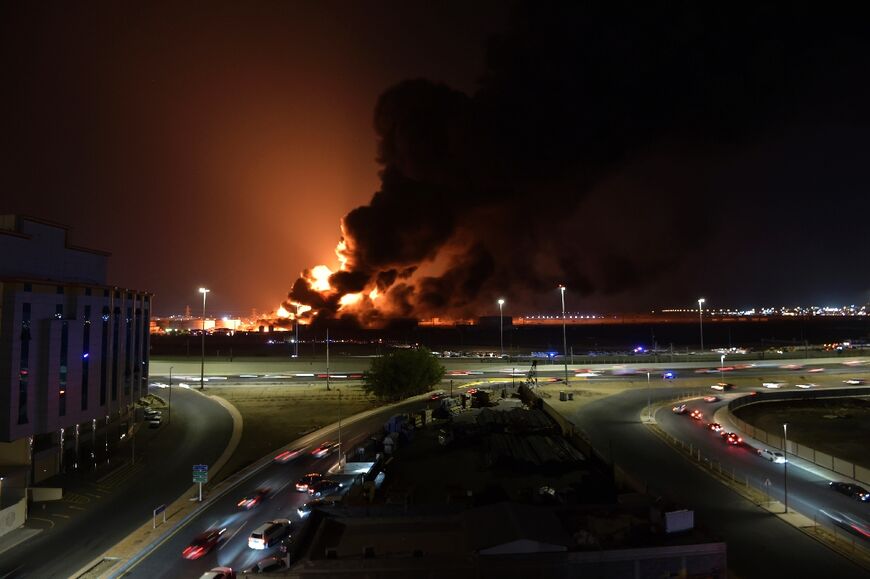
166 560
759 543
808 491
97 515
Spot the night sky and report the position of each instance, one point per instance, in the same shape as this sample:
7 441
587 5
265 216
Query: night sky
643 155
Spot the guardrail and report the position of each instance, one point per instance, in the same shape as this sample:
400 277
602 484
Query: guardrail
817 457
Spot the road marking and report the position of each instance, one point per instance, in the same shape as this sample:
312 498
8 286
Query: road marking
41 519
230 538
92 495
76 508
61 516
77 498
282 487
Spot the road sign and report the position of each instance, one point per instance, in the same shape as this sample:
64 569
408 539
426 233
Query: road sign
767 482
200 473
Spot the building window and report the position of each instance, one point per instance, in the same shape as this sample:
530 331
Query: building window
62 374
86 355
104 354
115 352
24 364
128 354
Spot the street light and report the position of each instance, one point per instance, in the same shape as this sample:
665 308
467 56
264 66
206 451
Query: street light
648 417
785 462
564 334
296 348
721 367
169 410
701 321
339 427
501 326
204 293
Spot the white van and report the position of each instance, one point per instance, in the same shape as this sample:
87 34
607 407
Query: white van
268 534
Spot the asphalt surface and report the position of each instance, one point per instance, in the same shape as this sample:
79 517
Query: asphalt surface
808 490
224 513
198 433
759 543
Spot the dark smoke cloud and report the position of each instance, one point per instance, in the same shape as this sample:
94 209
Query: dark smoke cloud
586 154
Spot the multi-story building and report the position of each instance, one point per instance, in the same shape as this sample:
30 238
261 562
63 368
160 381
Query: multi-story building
73 349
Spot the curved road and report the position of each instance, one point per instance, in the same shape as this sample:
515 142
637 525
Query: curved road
199 431
759 543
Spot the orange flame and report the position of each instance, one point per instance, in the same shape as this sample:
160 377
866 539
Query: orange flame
319 278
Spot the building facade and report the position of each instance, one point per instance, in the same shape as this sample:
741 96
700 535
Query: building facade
73 350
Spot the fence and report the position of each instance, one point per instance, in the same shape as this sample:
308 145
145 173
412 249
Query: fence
817 457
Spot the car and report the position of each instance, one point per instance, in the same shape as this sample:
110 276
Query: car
771 455
851 490
324 487
773 384
715 427
153 422
696 414
305 509
325 449
732 439
269 533
308 480
679 409
816 370
437 396
722 386
219 573
669 375
268 565
855 381
255 499
203 543
711 399
288 455
806 386
150 412
471 391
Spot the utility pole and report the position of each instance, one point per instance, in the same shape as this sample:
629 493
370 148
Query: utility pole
327 359
564 335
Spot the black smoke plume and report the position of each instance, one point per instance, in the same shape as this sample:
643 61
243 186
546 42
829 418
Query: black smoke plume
586 155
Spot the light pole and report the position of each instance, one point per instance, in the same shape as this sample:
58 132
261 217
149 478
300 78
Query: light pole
648 417
785 462
204 293
701 321
327 359
169 411
296 348
339 427
721 368
564 335
501 326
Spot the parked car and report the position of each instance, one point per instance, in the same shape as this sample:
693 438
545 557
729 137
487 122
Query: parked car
309 479
324 487
268 565
851 490
203 543
771 455
219 573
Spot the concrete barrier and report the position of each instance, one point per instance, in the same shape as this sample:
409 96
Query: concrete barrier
862 474
13 516
40 494
844 467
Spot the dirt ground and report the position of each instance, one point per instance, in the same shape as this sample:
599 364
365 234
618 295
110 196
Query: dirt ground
840 427
274 415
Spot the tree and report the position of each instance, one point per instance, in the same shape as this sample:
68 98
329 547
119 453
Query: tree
402 373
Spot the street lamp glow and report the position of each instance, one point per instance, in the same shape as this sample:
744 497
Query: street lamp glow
204 292
701 320
501 327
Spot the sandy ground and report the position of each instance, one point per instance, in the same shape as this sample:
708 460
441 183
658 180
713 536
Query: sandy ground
277 414
840 427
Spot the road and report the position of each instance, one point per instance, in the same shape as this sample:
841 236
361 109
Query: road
233 551
83 529
759 544
808 491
